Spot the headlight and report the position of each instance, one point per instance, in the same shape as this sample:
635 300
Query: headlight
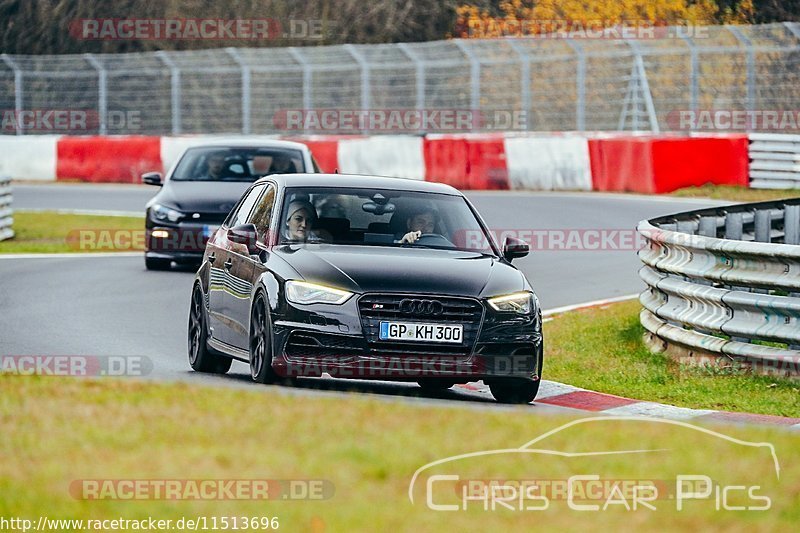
518 302
165 213
301 292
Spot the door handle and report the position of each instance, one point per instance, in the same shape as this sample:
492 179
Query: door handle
212 257
228 264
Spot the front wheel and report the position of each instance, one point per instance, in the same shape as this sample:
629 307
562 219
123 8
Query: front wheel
200 357
515 391
261 344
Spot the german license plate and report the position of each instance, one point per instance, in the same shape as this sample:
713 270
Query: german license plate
419 332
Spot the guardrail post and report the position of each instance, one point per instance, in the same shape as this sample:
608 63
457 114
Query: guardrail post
17 91
708 226
6 213
791 224
175 90
734 226
763 225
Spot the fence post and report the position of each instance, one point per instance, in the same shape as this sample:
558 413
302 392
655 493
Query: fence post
525 80
175 90
474 77
365 80
306 66
234 53
419 74
17 91
751 68
102 92
580 84
693 74
791 224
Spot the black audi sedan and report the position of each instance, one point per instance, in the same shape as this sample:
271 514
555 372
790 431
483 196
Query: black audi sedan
201 189
365 277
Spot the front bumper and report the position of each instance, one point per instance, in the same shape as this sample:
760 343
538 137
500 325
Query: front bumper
312 343
182 243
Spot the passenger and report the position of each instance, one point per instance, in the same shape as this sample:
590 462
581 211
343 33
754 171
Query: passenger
300 219
419 222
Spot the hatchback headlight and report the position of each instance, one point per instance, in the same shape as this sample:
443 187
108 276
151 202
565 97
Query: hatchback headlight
161 212
518 302
302 292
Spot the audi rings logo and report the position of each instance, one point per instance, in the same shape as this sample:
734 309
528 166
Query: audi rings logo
421 307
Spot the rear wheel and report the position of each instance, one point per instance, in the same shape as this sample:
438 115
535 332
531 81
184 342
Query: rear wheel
261 344
201 357
156 263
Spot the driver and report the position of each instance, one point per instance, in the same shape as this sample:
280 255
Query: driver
215 165
419 222
282 164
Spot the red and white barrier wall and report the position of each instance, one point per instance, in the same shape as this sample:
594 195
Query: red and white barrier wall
610 162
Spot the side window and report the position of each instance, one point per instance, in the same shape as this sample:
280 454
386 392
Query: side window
315 165
262 214
239 215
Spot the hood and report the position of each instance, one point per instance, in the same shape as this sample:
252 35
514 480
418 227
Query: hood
201 196
414 270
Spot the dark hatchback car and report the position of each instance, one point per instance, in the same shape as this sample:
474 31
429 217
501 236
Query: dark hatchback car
202 188
316 274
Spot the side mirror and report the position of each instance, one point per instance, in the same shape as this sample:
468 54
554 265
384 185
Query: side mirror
152 178
513 248
245 234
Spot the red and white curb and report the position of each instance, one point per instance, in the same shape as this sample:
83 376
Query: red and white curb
561 395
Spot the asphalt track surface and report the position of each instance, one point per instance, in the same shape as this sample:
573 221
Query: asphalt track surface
111 306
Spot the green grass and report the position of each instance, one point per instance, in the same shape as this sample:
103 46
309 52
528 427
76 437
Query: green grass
59 430
49 232
736 193
601 349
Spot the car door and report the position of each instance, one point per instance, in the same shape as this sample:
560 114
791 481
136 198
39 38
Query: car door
244 268
222 283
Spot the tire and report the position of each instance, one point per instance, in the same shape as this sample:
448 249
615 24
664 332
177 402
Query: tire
156 263
435 384
515 391
261 343
201 358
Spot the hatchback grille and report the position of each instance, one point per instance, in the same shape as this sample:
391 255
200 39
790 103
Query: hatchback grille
431 309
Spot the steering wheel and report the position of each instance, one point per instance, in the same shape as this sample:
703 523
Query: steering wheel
434 239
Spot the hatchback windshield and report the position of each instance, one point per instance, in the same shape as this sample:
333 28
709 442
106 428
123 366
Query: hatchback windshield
236 164
375 217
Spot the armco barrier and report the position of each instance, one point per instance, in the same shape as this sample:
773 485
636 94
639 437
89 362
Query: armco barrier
774 161
6 213
724 285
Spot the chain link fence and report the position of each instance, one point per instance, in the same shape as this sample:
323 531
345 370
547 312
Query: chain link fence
549 84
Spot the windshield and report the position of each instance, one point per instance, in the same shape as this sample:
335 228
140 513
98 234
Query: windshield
236 164
374 217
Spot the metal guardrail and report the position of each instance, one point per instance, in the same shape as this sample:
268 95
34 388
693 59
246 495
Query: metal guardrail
723 286
6 213
774 161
